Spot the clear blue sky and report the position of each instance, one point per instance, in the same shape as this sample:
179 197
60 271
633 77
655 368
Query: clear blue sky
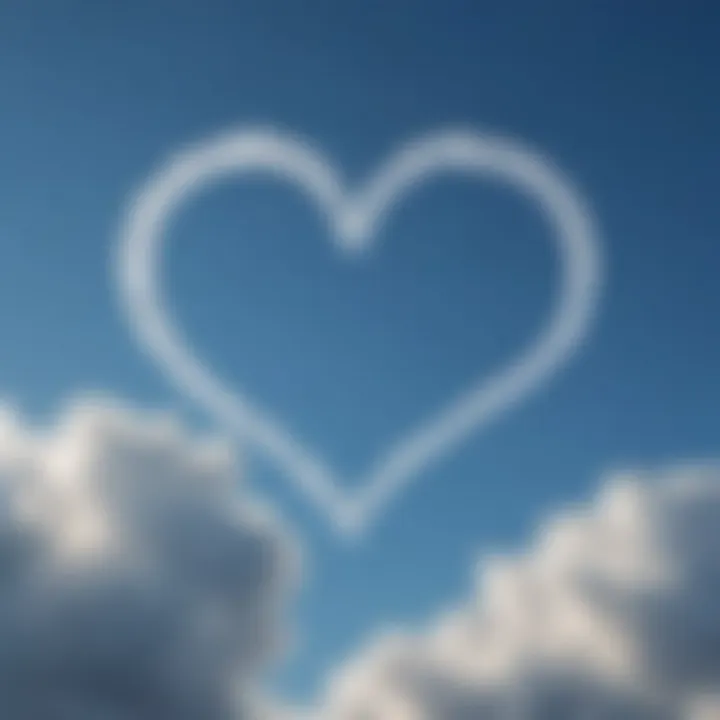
622 95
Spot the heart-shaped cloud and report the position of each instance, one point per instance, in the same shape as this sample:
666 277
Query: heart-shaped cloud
354 218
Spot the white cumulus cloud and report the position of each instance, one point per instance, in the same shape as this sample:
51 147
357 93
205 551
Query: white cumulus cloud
137 581
613 614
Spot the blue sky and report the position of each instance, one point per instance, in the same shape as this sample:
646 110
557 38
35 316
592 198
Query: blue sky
621 95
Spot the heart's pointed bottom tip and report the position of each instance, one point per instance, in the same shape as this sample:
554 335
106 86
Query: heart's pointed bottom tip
353 245
353 234
350 525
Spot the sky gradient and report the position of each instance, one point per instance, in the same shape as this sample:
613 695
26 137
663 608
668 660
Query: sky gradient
622 96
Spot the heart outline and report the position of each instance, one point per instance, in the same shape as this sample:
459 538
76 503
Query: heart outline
354 218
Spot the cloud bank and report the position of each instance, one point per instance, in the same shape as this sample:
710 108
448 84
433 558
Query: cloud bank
614 614
137 581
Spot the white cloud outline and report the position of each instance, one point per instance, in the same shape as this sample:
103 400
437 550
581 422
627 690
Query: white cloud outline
354 218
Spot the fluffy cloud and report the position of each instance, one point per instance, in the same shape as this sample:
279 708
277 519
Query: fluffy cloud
137 582
613 615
